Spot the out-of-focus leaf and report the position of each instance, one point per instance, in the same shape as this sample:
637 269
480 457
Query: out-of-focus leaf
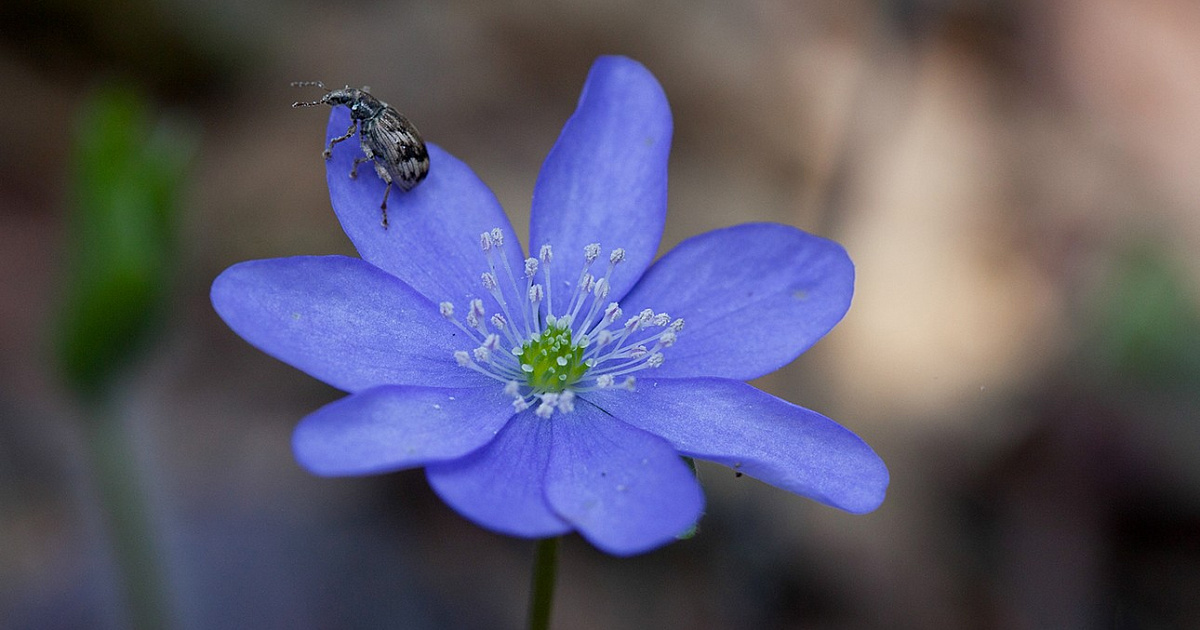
1149 325
126 176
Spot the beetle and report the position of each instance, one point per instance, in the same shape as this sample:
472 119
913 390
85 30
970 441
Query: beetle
389 141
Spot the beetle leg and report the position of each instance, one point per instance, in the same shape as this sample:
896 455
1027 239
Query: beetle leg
387 177
383 206
357 161
349 132
367 155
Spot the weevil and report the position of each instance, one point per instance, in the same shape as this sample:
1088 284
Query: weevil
389 141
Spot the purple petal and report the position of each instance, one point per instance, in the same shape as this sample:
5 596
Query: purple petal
432 238
625 490
752 297
757 434
606 178
502 486
391 428
342 321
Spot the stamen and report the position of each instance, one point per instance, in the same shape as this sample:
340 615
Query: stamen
475 315
545 254
545 356
489 281
566 401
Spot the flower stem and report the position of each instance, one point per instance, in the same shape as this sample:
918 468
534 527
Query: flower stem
541 597
129 522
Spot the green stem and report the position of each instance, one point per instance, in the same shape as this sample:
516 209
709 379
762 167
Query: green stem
541 597
127 519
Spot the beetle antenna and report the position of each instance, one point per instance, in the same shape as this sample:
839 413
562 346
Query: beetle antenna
309 84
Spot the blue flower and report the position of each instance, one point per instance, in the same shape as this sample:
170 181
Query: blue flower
557 393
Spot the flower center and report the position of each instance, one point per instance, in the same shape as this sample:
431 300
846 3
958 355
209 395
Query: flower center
550 360
544 358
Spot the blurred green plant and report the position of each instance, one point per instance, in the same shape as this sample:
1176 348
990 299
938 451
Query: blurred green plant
1147 327
127 174
126 178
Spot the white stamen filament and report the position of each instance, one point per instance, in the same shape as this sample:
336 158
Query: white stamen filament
542 359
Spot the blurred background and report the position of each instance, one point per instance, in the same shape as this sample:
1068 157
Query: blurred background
1018 183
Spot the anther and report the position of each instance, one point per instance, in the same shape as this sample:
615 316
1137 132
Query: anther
489 280
601 289
566 401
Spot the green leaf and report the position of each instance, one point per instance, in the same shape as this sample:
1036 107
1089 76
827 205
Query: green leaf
126 177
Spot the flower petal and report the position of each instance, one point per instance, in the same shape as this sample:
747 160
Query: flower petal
342 321
432 238
395 427
758 434
502 486
606 177
752 296
625 490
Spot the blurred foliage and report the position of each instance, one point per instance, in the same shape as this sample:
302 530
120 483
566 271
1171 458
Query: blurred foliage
1148 324
126 178
172 50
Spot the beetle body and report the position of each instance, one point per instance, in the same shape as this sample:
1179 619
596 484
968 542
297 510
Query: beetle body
388 140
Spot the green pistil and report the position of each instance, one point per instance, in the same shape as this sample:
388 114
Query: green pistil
551 361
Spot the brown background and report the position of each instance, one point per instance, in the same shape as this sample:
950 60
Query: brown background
993 168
